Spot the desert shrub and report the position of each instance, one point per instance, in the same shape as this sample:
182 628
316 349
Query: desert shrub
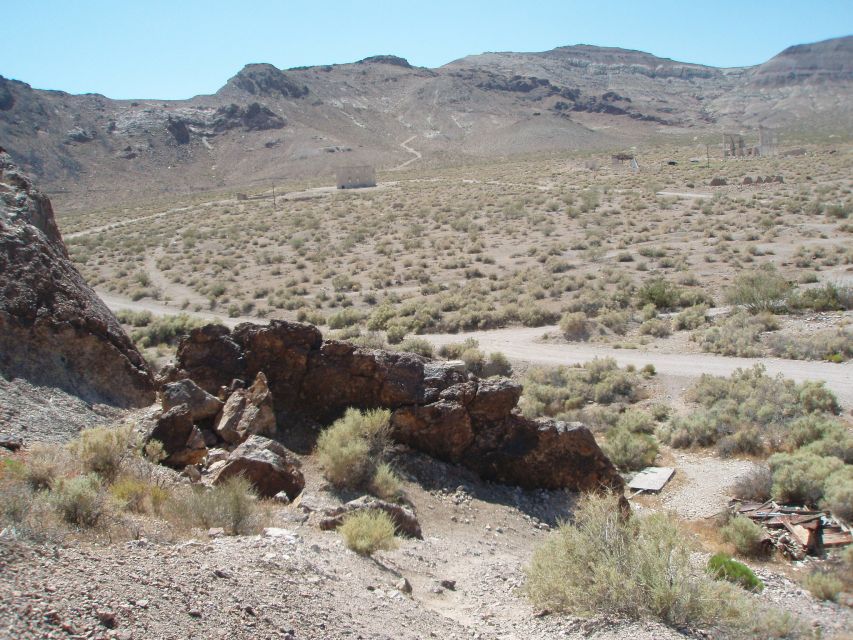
420 346
474 360
603 563
724 568
370 340
660 292
497 365
555 391
103 450
834 345
744 441
812 427
737 335
395 333
616 321
80 501
823 585
636 421
762 289
692 317
454 350
838 493
800 477
748 400
135 318
231 505
754 486
138 495
829 297
43 465
744 535
657 327
165 330
575 326
629 450
352 448
837 443
16 494
345 318
367 532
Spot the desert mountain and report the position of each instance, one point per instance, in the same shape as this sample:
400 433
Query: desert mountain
266 123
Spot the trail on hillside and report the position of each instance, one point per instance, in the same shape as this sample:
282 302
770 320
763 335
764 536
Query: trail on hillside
405 145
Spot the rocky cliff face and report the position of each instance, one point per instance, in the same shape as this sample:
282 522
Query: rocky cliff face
54 330
436 408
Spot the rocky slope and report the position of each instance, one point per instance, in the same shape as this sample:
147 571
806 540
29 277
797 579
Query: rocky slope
267 124
54 330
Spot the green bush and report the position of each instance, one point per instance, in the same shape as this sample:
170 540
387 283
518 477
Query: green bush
386 483
420 346
629 450
692 317
762 289
353 447
604 563
656 327
724 568
800 477
636 421
744 535
367 532
497 365
660 292
830 297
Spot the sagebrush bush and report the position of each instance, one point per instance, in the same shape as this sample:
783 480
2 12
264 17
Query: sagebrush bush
103 450
823 585
385 483
232 505
497 365
367 532
656 327
738 335
604 563
43 465
834 345
838 493
420 346
80 500
138 495
744 535
353 447
800 477
754 486
692 317
630 450
762 289
636 421
165 329
829 297
724 568
575 326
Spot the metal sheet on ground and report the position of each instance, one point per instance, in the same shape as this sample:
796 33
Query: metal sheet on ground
651 478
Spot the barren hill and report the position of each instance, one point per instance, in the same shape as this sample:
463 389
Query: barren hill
266 123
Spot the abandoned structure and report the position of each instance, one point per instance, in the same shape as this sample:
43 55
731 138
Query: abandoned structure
768 141
618 158
735 147
356 177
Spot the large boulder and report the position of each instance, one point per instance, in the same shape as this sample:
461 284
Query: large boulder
54 330
404 518
266 464
182 442
247 412
436 406
201 404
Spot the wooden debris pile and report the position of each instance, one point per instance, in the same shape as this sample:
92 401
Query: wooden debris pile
795 531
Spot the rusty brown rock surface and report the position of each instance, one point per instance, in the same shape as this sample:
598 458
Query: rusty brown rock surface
435 407
54 330
266 464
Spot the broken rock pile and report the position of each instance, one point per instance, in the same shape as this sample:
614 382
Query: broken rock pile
436 408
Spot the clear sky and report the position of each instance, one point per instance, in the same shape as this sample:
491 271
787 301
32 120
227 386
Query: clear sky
173 49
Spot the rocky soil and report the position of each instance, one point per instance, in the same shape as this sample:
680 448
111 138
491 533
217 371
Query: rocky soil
464 579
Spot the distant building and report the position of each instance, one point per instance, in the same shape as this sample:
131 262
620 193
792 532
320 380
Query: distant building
356 177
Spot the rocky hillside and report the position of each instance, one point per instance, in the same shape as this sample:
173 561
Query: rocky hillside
269 124
54 330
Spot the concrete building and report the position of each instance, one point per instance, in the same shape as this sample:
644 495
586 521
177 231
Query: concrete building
356 177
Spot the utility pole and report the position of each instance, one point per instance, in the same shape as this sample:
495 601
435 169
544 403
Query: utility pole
274 204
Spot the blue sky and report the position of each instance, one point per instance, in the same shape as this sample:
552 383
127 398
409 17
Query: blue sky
177 49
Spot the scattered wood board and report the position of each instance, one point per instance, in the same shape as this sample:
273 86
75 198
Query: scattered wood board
651 478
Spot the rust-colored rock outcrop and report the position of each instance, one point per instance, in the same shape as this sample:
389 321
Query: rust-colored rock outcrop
435 407
54 330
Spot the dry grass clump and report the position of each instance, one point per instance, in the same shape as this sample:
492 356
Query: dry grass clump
367 532
754 486
823 585
604 563
352 453
232 505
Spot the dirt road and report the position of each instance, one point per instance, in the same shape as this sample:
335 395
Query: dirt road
525 344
